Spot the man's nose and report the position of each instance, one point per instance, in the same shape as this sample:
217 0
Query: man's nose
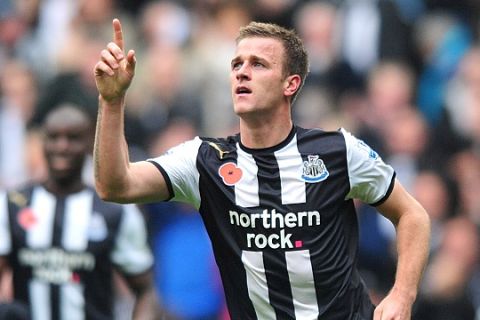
243 72
62 143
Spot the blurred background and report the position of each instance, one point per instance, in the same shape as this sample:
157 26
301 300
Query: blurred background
403 75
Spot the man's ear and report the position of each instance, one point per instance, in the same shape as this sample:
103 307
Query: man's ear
292 85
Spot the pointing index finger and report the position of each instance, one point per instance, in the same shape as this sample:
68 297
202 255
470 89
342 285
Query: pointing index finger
118 33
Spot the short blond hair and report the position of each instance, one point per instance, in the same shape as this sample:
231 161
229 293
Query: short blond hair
296 57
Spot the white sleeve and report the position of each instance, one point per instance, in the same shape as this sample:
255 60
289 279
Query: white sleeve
5 238
131 252
179 164
371 180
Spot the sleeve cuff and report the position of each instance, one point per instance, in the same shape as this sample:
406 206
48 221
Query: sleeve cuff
387 194
166 177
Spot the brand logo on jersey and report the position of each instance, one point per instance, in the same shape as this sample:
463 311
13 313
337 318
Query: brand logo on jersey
278 225
314 170
230 173
365 147
26 218
56 265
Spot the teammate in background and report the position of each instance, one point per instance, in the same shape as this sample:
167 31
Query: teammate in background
276 199
62 242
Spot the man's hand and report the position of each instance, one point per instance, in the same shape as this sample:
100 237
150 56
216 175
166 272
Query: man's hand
114 72
395 306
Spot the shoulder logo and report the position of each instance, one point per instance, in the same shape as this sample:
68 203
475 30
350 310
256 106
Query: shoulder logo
230 173
221 152
314 170
371 153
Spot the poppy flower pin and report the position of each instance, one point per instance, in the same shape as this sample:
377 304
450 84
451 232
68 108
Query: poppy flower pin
26 218
230 173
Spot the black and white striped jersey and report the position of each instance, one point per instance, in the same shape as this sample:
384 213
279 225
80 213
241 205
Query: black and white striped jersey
63 250
282 220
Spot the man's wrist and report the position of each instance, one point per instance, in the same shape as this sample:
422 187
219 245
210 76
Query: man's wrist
406 293
111 103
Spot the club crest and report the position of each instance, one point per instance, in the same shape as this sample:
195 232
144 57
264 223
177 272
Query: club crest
314 170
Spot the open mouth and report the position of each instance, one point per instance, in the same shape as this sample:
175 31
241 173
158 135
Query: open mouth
243 90
60 162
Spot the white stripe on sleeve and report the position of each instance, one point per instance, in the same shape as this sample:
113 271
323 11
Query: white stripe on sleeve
132 253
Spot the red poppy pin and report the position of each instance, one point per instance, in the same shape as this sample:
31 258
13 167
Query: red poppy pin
230 173
26 218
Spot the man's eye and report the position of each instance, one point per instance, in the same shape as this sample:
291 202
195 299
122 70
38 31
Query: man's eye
51 136
236 65
257 64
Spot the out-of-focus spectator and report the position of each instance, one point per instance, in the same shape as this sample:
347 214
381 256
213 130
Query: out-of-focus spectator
373 31
73 83
442 40
462 101
389 91
165 23
207 61
410 10
18 96
18 23
445 293
465 170
275 11
162 96
437 197
406 136
467 10
318 23
95 17
62 243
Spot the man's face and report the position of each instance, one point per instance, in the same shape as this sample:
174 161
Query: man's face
257 78
66 143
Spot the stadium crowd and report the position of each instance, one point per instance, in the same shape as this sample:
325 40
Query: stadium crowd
403 75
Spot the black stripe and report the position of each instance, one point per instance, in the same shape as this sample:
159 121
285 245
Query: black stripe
269 184
279 287
58 222
232 270
56 242
19 240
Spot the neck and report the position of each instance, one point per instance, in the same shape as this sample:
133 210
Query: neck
265 135
64 187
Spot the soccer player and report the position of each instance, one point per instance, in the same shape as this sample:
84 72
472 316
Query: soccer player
276 199
62 242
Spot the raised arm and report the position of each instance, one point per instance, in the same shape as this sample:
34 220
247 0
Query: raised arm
413 234
116 178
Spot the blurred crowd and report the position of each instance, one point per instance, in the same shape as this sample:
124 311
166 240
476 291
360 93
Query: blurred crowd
403 75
